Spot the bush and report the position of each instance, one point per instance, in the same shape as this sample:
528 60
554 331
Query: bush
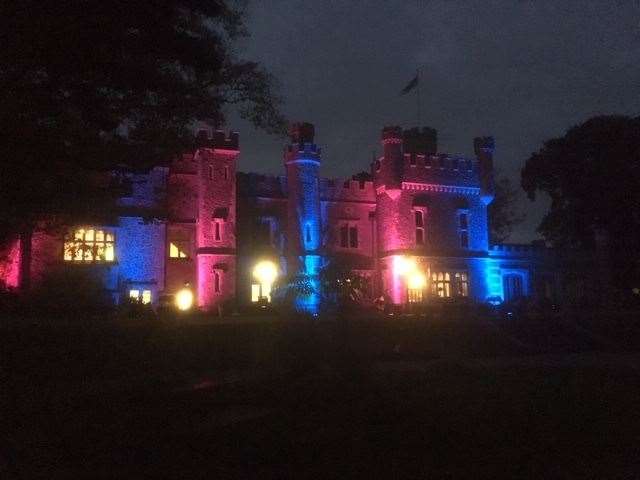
70 291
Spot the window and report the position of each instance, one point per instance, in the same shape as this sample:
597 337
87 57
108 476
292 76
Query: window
415 295
226 172
178 249
136 297
216 281
307 233
344 236
210 172
441 284
419 219
349 236
464 239
353 237
461 284
217 230
450 284
89 245
463 229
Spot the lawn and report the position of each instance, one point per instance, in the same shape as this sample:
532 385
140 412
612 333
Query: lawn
404 398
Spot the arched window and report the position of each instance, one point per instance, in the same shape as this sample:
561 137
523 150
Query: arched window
216 281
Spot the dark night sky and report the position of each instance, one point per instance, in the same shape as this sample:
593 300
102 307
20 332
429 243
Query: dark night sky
521 71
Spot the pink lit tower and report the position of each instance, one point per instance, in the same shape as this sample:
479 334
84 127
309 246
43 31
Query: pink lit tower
216 219
395 230
302 163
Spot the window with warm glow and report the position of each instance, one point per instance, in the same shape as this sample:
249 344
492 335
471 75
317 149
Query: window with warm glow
143 297
178 249
89 245
450 284
441 284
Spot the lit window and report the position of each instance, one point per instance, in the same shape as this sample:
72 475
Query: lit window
146 297
178 249
461 284
441 284
136 296
447 284
89 245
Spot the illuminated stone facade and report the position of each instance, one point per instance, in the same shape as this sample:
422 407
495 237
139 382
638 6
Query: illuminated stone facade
416 227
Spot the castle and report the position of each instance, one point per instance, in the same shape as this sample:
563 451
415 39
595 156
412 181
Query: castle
416 228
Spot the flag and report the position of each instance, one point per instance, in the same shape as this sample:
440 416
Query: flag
410 86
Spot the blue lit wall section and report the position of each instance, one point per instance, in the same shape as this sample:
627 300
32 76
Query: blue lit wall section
486 280
140 253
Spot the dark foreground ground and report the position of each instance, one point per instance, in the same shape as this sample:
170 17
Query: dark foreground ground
459 397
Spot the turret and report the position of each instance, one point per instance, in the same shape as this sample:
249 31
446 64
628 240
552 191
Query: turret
389 171
302 163
484 148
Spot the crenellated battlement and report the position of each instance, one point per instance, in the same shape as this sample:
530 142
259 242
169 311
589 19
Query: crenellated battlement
306 148
218 139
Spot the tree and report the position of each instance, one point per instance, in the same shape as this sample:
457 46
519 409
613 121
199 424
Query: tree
503 213
89 85
592 175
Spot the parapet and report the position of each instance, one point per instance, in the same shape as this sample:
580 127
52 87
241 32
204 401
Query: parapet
302 132
483 145
219 140
392 134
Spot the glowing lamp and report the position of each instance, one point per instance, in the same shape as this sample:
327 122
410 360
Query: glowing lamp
403 266
265 272
417 281
184 299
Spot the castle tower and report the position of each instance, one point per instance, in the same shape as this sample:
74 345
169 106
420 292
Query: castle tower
484 148
216 219
393 210
302 163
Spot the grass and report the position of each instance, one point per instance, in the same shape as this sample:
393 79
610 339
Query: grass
403 398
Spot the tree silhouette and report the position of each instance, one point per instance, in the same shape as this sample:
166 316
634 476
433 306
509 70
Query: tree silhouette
89 85
592 175
503 212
